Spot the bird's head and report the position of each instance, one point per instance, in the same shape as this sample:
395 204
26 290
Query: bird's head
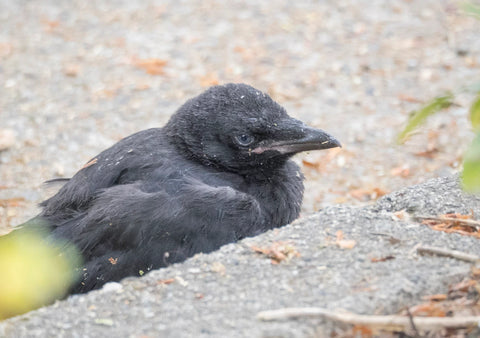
238 128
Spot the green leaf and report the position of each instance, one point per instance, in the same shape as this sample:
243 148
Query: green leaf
475 113
471 167
419 116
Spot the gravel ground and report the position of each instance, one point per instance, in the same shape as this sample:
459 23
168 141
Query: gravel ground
77 76
220 294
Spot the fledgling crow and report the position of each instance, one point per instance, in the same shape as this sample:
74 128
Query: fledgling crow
217 172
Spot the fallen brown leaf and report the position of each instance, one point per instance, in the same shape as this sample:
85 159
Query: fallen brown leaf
151 66
278 252
459 216
210 79
71 70
382 259
475 271
461 301
401 171
427 310
429 153
341 200
344 243
318 162
393 240
408 98
363 331
463 286
311 164
50 25
166 281
367 194
142 86
436 298
454 223
12 202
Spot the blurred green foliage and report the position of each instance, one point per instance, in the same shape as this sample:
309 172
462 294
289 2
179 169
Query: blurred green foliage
33 272
472 9
475 113
471 166
471 159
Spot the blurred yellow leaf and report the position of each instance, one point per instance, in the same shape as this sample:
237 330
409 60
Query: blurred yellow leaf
33 272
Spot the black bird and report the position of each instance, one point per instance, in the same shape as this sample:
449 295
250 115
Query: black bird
217 172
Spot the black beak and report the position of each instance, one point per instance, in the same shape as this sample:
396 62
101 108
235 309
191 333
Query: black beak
303 138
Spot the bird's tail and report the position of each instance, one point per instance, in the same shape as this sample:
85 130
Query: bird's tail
59 180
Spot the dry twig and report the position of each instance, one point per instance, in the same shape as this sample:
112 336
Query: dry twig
463 256
389 323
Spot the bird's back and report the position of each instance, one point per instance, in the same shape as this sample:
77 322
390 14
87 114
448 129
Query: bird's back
129 160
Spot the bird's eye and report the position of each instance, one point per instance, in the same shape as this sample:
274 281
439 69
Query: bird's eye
244 139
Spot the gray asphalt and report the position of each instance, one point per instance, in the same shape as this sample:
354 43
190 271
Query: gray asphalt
220 294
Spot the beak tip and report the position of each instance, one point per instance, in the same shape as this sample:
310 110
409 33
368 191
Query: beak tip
331 142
